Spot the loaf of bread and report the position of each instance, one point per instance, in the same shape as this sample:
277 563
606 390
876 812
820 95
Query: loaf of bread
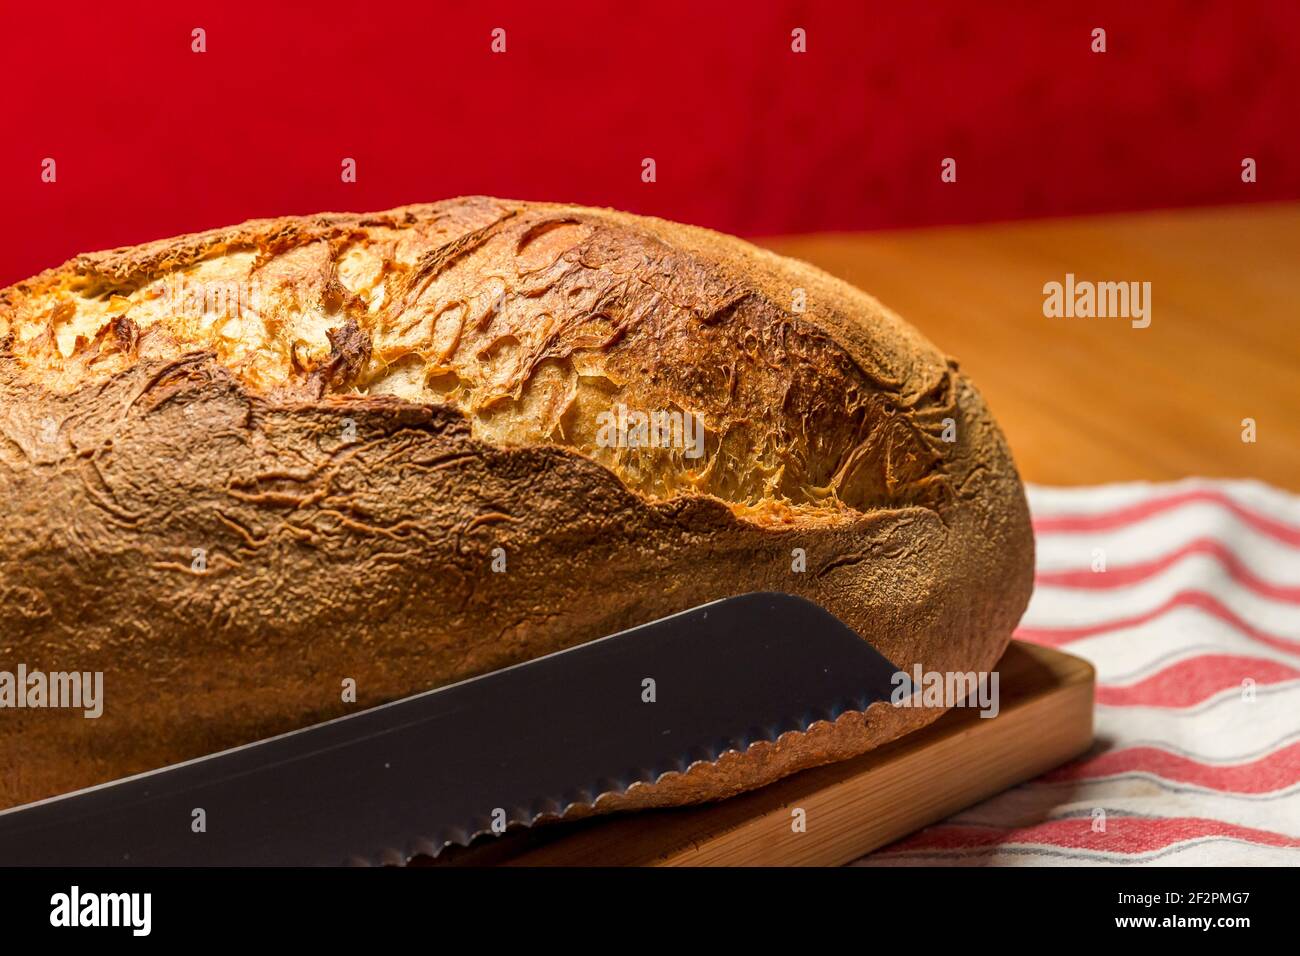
245 468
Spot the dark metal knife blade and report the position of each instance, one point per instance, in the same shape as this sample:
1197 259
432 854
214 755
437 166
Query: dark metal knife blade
418 774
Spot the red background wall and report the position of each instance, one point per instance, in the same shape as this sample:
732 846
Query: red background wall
152 139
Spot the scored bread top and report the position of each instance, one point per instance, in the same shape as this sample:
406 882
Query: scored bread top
533 319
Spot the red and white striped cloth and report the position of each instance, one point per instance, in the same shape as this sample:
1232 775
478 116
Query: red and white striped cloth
1193 764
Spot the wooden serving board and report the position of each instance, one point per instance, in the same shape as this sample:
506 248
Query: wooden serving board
851 807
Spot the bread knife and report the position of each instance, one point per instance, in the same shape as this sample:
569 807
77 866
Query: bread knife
510 747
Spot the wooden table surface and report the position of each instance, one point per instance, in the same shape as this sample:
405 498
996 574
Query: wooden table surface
1084 401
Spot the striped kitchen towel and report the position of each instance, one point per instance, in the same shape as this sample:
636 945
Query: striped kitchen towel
1186 598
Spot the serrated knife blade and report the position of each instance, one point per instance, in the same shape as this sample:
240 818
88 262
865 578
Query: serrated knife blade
419 774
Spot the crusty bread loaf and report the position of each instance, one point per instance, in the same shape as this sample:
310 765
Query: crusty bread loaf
242 466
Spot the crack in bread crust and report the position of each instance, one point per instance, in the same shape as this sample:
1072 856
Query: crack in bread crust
400 394
532 320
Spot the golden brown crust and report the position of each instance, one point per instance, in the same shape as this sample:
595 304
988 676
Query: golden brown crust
398 394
